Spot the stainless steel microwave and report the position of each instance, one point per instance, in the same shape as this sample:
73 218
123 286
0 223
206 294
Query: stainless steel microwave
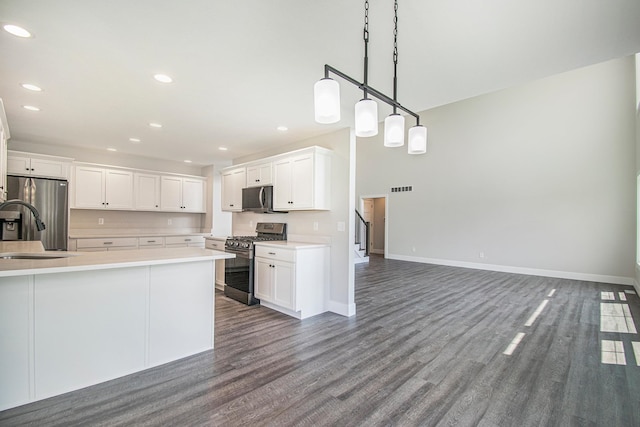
258 199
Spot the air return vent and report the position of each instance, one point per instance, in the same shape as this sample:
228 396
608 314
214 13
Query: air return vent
401 189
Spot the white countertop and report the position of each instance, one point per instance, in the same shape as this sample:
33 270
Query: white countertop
290 245
83 261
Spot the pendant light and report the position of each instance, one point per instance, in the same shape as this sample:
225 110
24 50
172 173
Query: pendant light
417 140
327 100
394 123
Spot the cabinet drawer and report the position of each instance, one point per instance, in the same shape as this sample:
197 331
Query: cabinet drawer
217 245
279 254
173 240
120 242
146 242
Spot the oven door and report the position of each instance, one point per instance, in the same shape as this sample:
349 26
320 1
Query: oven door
238 271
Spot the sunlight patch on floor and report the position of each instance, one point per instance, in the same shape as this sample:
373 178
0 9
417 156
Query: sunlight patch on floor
613 352
616 317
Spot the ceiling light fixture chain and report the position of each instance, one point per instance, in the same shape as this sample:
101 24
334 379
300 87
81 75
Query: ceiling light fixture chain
327 100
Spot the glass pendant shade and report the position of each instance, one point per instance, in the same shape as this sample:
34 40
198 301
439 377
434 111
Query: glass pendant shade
326 97
417 140
366 118
394 131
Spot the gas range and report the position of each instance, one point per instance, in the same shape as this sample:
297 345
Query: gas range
238 271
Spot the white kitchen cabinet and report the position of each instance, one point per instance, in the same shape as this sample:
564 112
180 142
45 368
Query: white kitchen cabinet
217 243
4 135
259 174
292 277
182 194
146 191
233 181
302 180
101 188
184 241
106 244
29 164
150 242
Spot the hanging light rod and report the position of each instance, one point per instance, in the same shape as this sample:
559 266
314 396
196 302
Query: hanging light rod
373 92
327 100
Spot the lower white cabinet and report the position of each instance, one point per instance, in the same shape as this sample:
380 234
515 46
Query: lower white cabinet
184 241
292 277
217 244
115 244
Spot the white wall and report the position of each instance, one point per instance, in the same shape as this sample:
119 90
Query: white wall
341 298
538 178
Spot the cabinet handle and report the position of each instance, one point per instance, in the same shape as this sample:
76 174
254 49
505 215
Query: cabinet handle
32 169
107 243
151 241
272 253
187 240
27 169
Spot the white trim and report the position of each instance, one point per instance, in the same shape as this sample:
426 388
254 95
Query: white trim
617 280
384 196
342 309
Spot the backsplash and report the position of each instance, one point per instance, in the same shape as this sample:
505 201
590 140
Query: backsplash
83 222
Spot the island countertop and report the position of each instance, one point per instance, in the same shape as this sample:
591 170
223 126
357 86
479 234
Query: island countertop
83 261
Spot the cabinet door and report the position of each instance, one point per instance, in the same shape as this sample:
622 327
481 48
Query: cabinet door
193 195
302 187
284 291
282 185
171 193
89 187
19 165
146 191
232 184
263 276
3 164
44 167
118 189
259 175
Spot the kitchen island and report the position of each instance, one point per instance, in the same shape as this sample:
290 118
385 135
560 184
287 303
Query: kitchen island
84 318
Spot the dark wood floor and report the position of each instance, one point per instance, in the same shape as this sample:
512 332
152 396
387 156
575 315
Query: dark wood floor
425 348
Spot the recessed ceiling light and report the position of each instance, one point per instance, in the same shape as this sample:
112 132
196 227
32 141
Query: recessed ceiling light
17 31
135 140
111 149
222 148
30 108
187 161
155 125
29 86
163 78
282 128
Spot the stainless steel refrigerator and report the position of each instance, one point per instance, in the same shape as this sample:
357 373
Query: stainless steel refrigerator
50 198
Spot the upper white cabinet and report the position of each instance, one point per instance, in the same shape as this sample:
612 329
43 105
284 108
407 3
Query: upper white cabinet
29 164
302 180
182 194
102 188
233 181
259 174
4 136
146 191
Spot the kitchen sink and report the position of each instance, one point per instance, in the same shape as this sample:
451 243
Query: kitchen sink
34 255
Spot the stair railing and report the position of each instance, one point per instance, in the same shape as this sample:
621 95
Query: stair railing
362 233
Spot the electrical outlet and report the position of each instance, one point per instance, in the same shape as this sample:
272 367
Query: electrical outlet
251 224
169 221
315 225
100 221
481 255
341 225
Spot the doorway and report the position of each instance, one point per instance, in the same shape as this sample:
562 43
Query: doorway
374 210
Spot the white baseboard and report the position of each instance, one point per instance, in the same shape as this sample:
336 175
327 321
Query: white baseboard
617 280
342 309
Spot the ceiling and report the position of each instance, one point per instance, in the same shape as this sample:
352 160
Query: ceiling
242 68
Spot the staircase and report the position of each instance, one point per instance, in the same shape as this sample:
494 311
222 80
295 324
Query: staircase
361 246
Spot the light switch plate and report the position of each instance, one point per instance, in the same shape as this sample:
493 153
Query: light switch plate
341 225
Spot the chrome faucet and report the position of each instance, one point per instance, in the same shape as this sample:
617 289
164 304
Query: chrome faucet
39 224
